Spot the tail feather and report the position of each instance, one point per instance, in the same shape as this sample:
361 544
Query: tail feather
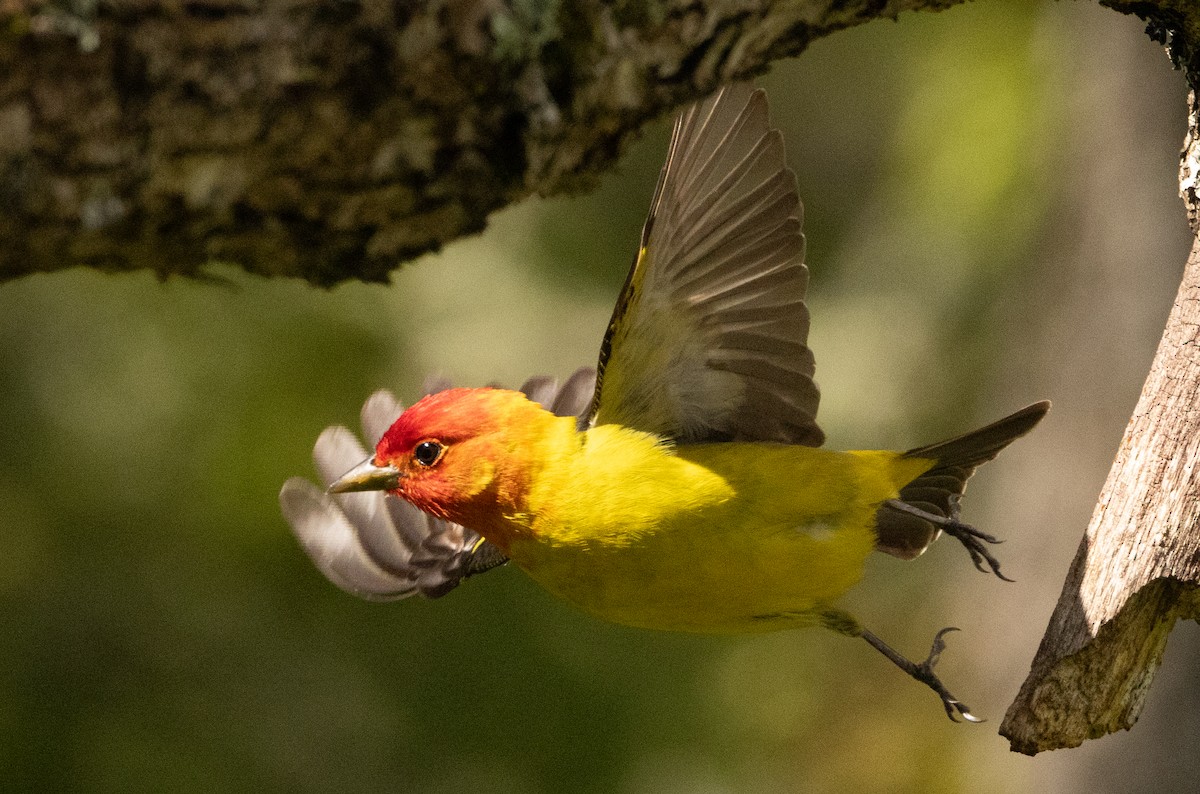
906 536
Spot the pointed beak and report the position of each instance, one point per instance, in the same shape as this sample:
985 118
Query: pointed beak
366 476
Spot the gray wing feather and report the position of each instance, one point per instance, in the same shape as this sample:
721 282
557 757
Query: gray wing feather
541 389
366 543
576 394
378 413
709 339
329 538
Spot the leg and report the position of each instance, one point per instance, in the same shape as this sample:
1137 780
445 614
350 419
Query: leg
966 534
923 672
844 624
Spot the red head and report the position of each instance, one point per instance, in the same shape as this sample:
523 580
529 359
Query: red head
466 455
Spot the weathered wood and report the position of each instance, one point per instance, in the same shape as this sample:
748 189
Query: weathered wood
1137 570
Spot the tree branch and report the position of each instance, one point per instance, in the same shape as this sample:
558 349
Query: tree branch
335 139
1137 570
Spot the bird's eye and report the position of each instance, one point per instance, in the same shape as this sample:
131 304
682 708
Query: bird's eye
427 452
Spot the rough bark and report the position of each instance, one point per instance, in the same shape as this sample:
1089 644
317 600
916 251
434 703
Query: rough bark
1137 570
334 139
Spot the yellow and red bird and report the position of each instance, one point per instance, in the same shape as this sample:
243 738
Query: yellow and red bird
691 492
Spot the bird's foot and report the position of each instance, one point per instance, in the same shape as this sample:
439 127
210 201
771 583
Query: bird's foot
923 672
975 541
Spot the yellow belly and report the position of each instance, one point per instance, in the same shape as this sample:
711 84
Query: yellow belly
723 538
717 587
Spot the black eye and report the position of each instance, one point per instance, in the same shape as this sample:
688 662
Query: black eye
427 452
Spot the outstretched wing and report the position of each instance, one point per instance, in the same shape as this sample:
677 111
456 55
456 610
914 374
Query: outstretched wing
708 341
382 548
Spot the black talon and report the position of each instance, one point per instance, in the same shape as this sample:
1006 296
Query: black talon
952 704
971 538
923 672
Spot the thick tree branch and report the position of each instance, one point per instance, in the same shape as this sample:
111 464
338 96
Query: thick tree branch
1137 570
333 139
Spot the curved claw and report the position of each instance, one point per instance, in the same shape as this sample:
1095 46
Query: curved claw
923 672
954 707
939 645
973 540
967 715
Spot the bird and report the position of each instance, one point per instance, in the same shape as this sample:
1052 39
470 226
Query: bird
682 484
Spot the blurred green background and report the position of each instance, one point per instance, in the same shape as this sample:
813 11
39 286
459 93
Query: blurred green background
992 219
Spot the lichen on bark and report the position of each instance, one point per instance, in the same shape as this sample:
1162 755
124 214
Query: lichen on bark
335 140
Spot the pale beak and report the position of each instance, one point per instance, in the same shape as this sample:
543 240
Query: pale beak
366 476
